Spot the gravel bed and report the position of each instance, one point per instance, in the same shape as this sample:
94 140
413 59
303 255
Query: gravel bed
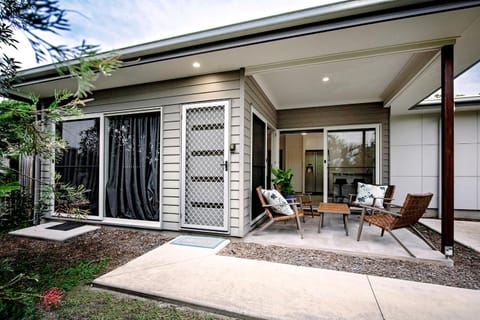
464 274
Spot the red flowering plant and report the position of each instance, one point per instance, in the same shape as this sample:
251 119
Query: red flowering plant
51 297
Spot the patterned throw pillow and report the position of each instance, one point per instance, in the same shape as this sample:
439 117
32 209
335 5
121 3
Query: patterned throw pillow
367 192
280 205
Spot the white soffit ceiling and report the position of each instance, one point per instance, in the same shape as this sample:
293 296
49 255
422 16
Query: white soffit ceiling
352 81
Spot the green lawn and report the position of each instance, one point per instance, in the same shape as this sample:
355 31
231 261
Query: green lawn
27 273
84 302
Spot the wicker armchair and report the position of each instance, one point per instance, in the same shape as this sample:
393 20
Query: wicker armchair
412 210
387 199
273 217
306 202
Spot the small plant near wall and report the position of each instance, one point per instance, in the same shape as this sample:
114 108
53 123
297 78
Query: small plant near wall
283 179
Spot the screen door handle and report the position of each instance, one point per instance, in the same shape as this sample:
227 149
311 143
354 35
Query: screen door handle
225 164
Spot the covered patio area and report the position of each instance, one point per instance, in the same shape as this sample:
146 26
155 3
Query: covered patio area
332 238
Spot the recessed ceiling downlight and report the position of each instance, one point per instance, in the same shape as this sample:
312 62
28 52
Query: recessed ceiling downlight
196 64
326 79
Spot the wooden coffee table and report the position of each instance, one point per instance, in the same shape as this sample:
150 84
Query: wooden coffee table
340 208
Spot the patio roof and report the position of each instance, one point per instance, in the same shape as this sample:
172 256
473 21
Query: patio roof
372 51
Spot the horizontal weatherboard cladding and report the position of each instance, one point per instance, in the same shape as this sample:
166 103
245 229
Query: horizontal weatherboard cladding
171 96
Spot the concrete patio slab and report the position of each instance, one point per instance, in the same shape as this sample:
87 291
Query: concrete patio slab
42 232
332 238
465 232
245 288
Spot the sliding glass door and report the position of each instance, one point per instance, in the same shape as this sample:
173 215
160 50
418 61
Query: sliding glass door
79 164
133 166
352 158
119 165
261 162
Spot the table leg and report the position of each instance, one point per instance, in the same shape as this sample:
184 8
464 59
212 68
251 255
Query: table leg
320 221
345 223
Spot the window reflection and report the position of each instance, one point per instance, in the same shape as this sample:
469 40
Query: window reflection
79 163
351 159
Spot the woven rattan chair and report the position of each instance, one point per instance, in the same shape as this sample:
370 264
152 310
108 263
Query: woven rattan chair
306 202
387 199
274 217
412 210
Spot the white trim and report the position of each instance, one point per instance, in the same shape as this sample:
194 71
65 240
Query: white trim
226 159
101 171
133 111
131 223
420 46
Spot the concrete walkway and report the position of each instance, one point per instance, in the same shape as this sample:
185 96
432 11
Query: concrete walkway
257 289
465 232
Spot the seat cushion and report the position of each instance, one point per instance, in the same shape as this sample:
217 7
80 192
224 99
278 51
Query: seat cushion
366 193
278 202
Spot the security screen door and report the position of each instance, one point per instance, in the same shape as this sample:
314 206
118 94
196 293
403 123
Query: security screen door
205 166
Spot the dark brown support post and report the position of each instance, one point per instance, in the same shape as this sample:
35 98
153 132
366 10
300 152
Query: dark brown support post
447 181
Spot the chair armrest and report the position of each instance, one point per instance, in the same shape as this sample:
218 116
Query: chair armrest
351 197
280 204
395 214
384 199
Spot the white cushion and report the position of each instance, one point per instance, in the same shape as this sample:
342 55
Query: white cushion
278 202
367 192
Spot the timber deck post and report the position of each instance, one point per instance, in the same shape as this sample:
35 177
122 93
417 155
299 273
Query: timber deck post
447 180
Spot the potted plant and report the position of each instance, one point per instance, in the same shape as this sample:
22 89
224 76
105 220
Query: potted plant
283 179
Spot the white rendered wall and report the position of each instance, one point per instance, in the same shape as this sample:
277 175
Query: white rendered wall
414 147
467 157
415 161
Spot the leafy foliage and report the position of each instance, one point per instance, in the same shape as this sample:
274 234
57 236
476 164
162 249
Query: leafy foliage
283 178
16 208
27 129
17 292
34 17
26 286
69 199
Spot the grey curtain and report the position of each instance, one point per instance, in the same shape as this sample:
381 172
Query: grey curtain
132 190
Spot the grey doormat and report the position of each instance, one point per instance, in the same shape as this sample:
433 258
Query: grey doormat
200 242
66 226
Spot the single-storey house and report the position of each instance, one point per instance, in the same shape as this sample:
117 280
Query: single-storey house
179 137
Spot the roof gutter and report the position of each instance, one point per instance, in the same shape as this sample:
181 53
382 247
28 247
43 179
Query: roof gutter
342 15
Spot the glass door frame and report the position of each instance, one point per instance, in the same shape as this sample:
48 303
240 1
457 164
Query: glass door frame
101 162
274 154
378 141
104 166
378 161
